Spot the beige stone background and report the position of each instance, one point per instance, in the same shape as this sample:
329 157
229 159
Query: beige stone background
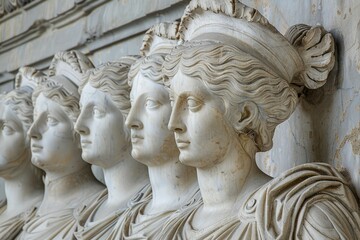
326 125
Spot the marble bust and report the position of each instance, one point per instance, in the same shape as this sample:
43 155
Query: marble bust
232 81
55 148
23 181
105 141
173 184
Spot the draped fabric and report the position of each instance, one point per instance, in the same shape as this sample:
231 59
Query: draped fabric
310 201
138 225
101 229
11 228
55 225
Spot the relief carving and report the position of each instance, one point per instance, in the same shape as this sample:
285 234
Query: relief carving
23 181
153 144
175 133
8 6
234 74
106 143
55 148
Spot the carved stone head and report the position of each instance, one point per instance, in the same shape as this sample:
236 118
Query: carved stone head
105 104
152 142
16 116
236 73
54 142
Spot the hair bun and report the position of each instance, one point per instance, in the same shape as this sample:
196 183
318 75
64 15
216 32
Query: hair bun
317 50
29 76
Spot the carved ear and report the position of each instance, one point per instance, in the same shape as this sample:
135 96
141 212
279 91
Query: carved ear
246 117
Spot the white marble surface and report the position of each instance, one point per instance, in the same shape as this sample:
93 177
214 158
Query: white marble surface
329 129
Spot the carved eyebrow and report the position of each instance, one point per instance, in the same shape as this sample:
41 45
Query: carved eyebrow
14 123
190 93
87 106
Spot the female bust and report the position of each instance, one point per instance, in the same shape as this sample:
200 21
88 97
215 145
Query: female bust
55 149
173 184
23 181
226 108
105 141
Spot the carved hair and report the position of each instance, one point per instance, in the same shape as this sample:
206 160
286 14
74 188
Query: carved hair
157 43
317 50
75 59
57 93
150 67
19 100
111 79
237 78
165 32
29 76
304 56
64 74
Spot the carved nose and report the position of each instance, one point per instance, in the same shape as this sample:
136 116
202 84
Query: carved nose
80 127
175 123
132 121
134 124
33 132
82 130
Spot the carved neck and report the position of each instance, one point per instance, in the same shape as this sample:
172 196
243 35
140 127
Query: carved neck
24 186
230 181
172 184
124 179
65 186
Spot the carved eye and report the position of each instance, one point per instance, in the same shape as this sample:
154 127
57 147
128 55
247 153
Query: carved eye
7 129
51 121
193 104
97 112
151 104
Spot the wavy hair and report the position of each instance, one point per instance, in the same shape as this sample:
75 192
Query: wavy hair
56 92
111 79
19 100
150 67
236 78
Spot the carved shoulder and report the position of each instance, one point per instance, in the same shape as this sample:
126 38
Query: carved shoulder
310 201
327 220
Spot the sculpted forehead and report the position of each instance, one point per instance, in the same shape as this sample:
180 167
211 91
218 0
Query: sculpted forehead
181 83
90 94
142 85
6 113
93 96
46 105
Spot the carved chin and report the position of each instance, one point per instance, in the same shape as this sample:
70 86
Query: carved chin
87 158
189 160
137 154
35 160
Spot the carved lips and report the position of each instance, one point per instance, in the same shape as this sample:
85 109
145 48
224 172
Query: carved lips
136 138
181 144
85 143
36 148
